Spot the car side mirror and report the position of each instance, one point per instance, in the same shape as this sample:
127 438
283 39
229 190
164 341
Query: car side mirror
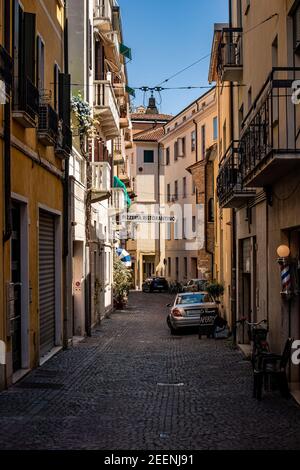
168 305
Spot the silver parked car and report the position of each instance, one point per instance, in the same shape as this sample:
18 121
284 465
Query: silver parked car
192 310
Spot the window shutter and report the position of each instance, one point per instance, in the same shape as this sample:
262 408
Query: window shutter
65 98
29 45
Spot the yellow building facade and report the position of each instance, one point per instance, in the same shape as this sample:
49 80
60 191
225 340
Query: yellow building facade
31 323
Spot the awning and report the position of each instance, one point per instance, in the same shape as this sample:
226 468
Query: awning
124 256
119 184
130 91
125 51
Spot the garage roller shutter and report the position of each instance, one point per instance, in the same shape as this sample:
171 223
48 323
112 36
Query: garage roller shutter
47 282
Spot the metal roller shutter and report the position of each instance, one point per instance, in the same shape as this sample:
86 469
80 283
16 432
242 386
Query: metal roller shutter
47 282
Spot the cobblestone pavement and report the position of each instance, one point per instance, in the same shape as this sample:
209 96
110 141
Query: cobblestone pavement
134 386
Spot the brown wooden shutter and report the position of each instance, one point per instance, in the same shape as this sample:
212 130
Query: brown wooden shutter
65 98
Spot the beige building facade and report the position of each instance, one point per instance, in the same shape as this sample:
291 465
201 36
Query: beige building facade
255 62
187 137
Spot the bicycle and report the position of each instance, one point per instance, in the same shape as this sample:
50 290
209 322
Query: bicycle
260 345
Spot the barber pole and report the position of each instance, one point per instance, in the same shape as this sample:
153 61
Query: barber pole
286 282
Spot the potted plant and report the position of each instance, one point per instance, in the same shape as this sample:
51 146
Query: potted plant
216 290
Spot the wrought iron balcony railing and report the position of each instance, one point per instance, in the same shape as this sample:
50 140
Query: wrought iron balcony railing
6 64
26 102
270 139
63 146
230 190
230 56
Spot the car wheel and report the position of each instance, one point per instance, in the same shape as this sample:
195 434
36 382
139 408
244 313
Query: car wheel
172 329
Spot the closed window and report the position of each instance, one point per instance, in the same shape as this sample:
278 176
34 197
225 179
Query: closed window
168 193
184 187
176 190
193 141
148 156
168 156
215 128
176 151
203 140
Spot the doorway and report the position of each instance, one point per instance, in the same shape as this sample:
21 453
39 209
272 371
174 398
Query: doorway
16 321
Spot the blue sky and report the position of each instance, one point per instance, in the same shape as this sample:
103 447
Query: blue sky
166 36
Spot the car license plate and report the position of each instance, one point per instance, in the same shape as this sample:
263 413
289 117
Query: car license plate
207 319
194 313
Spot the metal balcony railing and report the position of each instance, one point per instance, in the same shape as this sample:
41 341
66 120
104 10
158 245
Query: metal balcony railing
101 177
27 97
230 190
64 140
271 128
230 55
6 64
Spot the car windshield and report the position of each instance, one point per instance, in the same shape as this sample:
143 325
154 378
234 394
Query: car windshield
194 299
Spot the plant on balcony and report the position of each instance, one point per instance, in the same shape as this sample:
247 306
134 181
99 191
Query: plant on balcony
122 283
216 290
83 113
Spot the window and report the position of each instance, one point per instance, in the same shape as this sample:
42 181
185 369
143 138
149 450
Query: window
296 26
248 4
176 190
210 210
193 187
215 128
184 119
183 146
194 224
148 156
185 267
184 187
168 156
249 98
176 151
168 193
193 141
203 140
177 268
169 267
241 116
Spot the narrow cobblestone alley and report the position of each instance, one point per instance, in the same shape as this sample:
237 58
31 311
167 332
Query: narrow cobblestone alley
134 386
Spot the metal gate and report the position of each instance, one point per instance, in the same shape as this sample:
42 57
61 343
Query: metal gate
47 281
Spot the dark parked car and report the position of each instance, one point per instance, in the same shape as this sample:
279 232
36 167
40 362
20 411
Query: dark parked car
158 284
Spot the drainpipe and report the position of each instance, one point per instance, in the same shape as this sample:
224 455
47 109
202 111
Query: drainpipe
7 137
233 214
66 201
211 253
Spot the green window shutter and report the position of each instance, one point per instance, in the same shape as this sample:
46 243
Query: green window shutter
125 51
29 45
130 91
65 98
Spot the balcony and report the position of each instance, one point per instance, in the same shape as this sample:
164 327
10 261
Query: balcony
63 146
270 146
6 64
119 151
230 190
106 108
111 45
118 203
26 102
101 181
48 125
103 15
230 55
